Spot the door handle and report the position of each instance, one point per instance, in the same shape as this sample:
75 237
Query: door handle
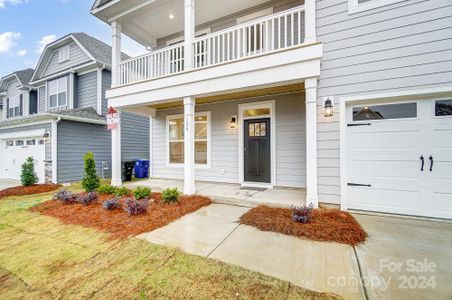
422 164
431 163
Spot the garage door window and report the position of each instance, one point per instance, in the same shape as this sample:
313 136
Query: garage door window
19 143
10 143
31 142
443 108
385 112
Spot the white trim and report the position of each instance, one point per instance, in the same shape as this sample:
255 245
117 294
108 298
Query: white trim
63 73
99 91
71 91
23 134
355 7
271 104
116 176
54 150
61 58
26 124
87 71
442 91
66 91
209 140
151 165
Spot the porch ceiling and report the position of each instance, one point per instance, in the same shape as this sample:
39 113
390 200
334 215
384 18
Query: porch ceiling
236 95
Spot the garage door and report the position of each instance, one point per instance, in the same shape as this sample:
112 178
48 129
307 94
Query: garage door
16 151
399 157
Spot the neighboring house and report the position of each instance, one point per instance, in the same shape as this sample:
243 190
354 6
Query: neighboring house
250 105
56 113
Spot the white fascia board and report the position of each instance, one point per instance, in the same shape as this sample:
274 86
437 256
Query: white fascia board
23 134
65 72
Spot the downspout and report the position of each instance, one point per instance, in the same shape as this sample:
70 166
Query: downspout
54 152
99 89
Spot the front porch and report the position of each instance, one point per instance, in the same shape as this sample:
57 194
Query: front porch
232 194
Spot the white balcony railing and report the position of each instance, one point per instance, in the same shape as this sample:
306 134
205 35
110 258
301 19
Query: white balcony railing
273 33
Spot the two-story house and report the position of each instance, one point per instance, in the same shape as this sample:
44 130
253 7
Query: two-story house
56 113
349 99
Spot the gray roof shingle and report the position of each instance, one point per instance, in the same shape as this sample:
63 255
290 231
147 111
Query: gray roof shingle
85 113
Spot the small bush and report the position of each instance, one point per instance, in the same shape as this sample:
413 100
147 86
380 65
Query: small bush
87 199
170 195
111 204
64 196
28 175
142 193
106 189
90 181
302 214
121 191
135 207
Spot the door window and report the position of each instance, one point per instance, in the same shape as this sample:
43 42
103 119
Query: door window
385 111
443 108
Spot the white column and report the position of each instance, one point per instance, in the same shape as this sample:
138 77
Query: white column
116 52
311 142
189 146
116 179
189 33
310 21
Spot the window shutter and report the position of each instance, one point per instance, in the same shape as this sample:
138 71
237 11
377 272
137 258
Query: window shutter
7 108
21 104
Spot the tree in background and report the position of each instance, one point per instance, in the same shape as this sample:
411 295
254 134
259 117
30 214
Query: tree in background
90 181
28 175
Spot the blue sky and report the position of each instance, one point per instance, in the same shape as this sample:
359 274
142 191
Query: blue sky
26 25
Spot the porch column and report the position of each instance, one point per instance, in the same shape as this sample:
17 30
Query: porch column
311 142
116 52
116 179
189 146
310 21
189 32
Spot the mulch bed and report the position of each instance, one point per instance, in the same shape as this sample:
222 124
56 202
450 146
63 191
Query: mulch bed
28 190
117 222
326 225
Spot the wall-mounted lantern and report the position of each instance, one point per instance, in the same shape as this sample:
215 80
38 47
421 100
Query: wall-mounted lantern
46 135
328 109
233 123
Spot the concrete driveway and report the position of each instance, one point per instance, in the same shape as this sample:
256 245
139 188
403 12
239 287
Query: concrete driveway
7 183
364 272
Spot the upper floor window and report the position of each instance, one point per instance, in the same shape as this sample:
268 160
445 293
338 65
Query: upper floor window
58 92
14 106
355 6
64 53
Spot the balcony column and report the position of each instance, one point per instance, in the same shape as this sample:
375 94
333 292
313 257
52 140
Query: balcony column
311 142
116 178
310 21
116 52
189 33
189 146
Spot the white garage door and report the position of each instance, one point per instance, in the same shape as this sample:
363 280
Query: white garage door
15 152
399 157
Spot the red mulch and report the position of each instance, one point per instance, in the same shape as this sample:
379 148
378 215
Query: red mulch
28 190
117 222
326 225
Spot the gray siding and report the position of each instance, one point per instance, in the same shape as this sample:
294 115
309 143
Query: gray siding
290 142
403 46
42 99
106 84
134 137
86 90
77 57
74 140
13 90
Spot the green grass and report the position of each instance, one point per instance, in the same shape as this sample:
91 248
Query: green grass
41 258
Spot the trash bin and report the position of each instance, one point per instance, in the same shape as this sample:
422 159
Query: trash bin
142 168
127 170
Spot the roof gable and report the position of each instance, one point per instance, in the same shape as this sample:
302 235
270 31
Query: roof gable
22 76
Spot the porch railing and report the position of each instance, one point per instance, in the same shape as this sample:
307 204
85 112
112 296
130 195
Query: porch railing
272 33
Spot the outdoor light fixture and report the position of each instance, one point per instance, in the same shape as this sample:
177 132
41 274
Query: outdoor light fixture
46 135
328 109
171 16
233 122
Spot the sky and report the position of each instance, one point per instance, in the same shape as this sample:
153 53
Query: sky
26 26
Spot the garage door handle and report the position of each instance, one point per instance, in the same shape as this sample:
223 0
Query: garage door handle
358 184
422 165
431 163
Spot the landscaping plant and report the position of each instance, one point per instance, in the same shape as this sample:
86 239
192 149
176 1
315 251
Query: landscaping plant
64 196
135 207
28 175
90 181
111 204
121 191
170 195
142 193
106 189
87 199
302 214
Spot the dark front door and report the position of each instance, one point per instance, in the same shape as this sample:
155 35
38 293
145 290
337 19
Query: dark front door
257 150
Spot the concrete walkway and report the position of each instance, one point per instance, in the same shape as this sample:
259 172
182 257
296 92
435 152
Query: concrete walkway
234 194
7 183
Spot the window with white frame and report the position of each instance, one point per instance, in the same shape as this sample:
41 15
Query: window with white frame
14 107
175 127
355 6
58 92
64 53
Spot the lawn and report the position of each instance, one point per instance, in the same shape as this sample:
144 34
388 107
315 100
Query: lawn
42 258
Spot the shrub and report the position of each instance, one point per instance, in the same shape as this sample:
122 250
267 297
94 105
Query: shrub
90 181
142 192
135 207
170 195
87 199
302 214
106 189
121 191
28 175
64 196
111 204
